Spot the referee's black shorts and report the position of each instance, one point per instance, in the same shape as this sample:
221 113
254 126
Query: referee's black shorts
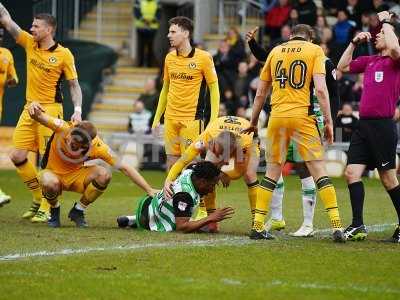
374 143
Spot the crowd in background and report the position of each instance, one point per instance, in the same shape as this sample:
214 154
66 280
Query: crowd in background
334 25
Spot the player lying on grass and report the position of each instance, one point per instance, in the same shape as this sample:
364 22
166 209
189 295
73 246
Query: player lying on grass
160 213
220 143
63 165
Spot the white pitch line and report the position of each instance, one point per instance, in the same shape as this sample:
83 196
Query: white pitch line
225 241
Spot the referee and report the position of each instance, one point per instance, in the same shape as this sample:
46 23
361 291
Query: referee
373 144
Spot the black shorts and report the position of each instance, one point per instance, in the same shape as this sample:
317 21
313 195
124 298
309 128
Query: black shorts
373 143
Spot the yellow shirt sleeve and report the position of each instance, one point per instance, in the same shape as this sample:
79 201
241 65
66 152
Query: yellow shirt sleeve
102 151
187 157
25 39
209 72
57 125
11 73
165 71
69 66
319 61
265 74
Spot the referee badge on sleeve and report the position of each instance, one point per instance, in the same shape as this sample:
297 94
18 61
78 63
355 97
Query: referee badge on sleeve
379 76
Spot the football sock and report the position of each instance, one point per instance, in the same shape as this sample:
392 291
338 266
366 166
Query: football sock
50 198
277 199
309 197
210 202
252 189
27 171
357 194
395 196
44 205
91 193
80 206
328 196
264 195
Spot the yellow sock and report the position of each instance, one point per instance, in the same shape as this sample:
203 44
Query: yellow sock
264 196
44 205
27 171
252 189
92 192
328 196
210 202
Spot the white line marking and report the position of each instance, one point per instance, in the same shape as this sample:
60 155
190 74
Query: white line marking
224 241
234 282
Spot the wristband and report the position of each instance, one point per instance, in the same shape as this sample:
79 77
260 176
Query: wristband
78 109
387 22
353 42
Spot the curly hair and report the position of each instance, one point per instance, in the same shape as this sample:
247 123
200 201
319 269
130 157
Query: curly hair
205 170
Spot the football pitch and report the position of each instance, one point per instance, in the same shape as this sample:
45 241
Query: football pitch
104 262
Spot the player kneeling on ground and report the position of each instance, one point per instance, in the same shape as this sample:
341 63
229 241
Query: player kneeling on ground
68 148
159 213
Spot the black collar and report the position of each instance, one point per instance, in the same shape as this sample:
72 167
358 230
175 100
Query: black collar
51 49
298 38
190 55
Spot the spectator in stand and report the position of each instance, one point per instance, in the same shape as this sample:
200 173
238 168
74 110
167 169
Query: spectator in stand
347 122
343 29
241 112
276 18
237 47
150 96
320 26
267 5
222 110
139 120
293 18
224 65
254 67
342 33
345 85
285 33
307 12
230 101
242 83
353 9
147 15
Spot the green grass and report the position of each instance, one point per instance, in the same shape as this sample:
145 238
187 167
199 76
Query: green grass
130 264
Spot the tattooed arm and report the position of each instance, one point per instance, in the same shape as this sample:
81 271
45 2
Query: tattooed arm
8 23
76 96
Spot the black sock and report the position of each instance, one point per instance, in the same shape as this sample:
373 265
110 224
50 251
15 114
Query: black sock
395 196
357 194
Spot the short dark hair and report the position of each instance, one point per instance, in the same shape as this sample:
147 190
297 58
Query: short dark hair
85 130
183 22
303 30
49 19
205 170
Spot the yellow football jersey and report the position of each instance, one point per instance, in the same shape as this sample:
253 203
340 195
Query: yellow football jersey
46 69
60 159
7 70
227 123
290 67
185 76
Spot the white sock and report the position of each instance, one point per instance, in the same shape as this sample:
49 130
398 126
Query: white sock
276 202
131 220
80 206
309 195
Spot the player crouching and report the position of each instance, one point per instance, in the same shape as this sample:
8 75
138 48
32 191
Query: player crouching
176 213
63 165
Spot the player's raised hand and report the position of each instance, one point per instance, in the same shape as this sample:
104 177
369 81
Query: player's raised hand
168 192
250 129
251 34
384 16
362 37
221 214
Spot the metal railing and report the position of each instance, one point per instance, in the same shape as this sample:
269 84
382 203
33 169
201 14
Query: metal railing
234 12
69 13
